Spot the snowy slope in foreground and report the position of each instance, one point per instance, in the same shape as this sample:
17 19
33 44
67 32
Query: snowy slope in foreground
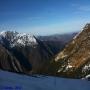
22 82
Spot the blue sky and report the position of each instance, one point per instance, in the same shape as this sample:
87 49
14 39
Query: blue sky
44 17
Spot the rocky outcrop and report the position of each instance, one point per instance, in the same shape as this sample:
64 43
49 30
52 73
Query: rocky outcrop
74 60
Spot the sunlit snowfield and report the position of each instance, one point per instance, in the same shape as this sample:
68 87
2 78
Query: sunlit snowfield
12 81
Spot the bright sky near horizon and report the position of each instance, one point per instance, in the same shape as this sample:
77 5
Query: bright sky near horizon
44 17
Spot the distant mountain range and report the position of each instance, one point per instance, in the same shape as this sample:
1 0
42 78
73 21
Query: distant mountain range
58 41
65 55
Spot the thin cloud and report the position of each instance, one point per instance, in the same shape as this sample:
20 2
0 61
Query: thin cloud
81 8
84 8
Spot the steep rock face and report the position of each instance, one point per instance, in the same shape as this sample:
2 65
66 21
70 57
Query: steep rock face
74 60
10 63
27 49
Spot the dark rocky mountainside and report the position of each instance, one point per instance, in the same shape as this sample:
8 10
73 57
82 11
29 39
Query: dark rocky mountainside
7 61
74 60
24 53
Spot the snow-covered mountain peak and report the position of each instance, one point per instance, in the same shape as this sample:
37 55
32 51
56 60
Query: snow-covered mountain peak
21 39
25 39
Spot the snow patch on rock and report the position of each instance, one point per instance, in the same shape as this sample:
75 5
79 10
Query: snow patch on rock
86 67
77 34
